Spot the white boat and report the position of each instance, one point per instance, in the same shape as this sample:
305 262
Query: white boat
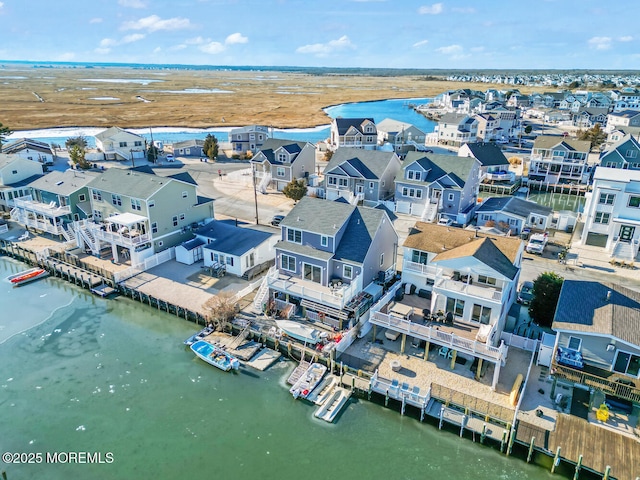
300 332
308 381
330 409
27 276
323 390
215 356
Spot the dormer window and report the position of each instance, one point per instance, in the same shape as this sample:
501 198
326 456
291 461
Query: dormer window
282 157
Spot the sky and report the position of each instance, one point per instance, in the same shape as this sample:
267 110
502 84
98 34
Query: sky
456 34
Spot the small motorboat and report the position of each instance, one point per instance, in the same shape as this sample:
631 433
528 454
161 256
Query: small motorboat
199 335
299 331
215 356
27 276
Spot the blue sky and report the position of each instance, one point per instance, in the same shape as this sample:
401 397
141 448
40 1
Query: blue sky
466 34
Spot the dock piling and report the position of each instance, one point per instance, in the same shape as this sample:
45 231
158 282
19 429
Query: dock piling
503 441
483 435
556 461
607 470
531 445
578 467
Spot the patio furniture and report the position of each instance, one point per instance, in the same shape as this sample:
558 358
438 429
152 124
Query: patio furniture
405 388
395 384
443 351
395 365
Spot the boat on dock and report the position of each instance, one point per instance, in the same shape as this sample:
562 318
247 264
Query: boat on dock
332 406
199 336
27 276
215 356
323 390
308 381
299 331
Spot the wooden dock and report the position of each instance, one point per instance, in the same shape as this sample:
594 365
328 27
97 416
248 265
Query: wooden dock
264 359
297 373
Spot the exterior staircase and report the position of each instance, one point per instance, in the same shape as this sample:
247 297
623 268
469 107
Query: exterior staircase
241 336
264 183
86 235
262 294
624 251
430 212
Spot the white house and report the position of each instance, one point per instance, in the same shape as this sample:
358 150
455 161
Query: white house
118 144
31 150
15 175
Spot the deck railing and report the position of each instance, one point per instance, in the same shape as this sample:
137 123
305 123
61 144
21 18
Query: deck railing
403 392
486 293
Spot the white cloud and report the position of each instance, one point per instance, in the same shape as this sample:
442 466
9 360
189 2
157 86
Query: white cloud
322 49
107 43
102 51
600 43
420 43
464 10
176 48
1 5
450 50
213 48
154 23
235 38
196 41
626 38
132 3
95 20
134 37
434 9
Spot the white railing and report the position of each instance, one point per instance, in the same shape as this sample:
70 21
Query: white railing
523 343
47 209
148 263
499 177
264 183
286 309
42 225
430 334
4 228
409 266
355 198
486 293
263 291
125 240
240 294
404 392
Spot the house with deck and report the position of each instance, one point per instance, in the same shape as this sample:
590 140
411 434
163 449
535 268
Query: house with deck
597 343
434 186
55 201
354 132
612 213
16 173
494 166
513 214
456 129
401 136
587 117
556 159
137 214
31 150
463 284
116 143
328 258
248 139
280 161
624 154
359 175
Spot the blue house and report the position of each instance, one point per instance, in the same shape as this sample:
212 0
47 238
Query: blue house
514 214
328 254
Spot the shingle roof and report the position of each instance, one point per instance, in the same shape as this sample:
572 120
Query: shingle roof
487 153
359 163
272 144
26 143
110 132
515 206
439 166
357 238
193 142
586 307
128 182
318 216
549 141
485 251
63 183
230 239
344 124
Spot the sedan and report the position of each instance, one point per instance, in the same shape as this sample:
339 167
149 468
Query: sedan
526 293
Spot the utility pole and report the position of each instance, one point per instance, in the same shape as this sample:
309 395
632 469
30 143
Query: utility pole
255 192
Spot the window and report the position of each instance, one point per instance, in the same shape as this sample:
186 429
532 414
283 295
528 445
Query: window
116 199
287 262
631 153
627 363
97 214
634 202
135 204
418 193
123 144
175 221
14 172
348 271
182 216
152 203
405 191
481 314
294 236
312 273
137 143
419 257
486 280
154 227
82 197
332 180
343 182
417 175
160 243
607 198
450 197
410 175
280 172
602 217
575 343
381 259
455 306
230 260
96 195
282 157
185 194
324 240
371 185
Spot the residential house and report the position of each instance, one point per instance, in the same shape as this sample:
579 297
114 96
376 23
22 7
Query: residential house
31 150
455 129
328 258
508 119
118 144
280 161
623 154
625 99
489 127
622 119
597 345
248 139
56 200
466 277
361 175
518 100
354 132
239 251
436 186
137 214
402 136
494 166
618 133
588 117
557 159
16 173
512 214
189 148
612 213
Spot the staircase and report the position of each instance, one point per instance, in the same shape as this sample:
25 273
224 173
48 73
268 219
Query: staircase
15 215
241 336
69 233
430 212
624 251
264 183
262 294
87 236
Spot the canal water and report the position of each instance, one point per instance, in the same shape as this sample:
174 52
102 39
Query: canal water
112 377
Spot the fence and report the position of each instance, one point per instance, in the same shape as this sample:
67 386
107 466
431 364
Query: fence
523 343
475 405
148 263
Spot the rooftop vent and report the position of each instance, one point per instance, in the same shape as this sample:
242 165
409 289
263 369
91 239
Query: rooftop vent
608 295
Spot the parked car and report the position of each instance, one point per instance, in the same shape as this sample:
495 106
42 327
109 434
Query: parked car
537 243
526 293
169 158
444 221
275 221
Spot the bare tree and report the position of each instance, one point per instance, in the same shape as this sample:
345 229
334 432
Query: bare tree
221 308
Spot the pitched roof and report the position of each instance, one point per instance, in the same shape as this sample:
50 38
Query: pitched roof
344 124
63 183
110 132
487 153
550 141
514 205
589 307
439 166
432 238
249 129
356 240
272 144
230 239
485 251
359 163
129 182
26 143
193 142
318 216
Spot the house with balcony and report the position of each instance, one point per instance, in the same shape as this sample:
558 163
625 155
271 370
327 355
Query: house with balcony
118 144
248 139
467 281
587 117
16 173
556 159
31 150
433 186
329 256
401 136
513 214
359 175
137 214
494 166
280 161
612 213
489 127
597 345
56 200
625 99
456 129
624 154
354 132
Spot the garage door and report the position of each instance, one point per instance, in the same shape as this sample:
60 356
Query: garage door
597 240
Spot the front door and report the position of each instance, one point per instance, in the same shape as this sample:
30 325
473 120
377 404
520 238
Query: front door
626 233
312 273
359 188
